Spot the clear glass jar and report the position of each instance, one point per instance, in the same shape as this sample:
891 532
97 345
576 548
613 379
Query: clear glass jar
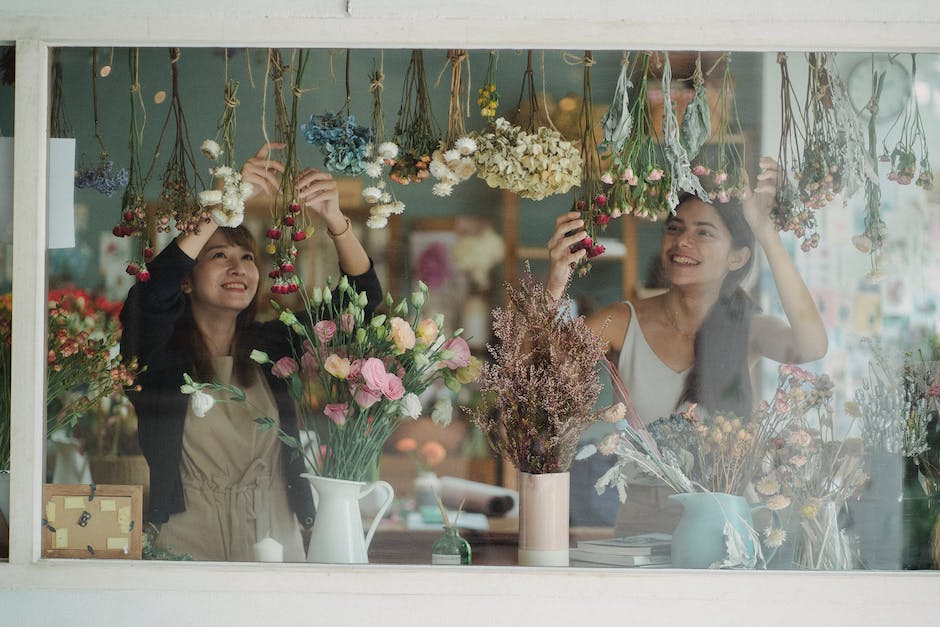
450 549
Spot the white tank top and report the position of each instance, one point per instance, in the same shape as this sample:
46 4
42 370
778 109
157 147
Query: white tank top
654 387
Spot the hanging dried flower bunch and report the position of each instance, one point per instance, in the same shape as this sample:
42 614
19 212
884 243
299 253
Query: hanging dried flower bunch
100 175
721 168
59 125
487 96
342 142
638 178
416 132
289 223
591 200
181 176
911 148
677 158
133 220
452 162
530 159
226 205
788 211
378 195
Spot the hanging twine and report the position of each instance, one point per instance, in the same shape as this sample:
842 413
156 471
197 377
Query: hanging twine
376 87
459 89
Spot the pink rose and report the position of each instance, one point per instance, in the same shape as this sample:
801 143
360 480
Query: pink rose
402 335
347 322
325 330
284 368
393 388
461 353
337 412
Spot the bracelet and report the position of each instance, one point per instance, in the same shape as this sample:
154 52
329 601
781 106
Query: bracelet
341 233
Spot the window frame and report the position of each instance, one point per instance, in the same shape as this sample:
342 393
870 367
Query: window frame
380 591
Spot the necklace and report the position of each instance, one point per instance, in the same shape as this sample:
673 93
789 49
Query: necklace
671 319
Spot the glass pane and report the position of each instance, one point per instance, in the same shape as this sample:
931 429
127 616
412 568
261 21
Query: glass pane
824 450
6 254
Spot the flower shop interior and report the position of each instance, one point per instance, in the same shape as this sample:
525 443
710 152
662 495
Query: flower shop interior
456 136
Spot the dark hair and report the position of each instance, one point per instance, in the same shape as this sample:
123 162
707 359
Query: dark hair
189 339
720 379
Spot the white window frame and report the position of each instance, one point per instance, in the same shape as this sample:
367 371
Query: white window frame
105 592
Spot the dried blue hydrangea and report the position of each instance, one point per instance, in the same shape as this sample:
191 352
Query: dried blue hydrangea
102 177
342 142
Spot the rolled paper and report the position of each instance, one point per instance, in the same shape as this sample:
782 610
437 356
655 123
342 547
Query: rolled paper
268 550
477 497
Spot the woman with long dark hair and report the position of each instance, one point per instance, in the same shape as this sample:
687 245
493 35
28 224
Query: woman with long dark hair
697 341
218 484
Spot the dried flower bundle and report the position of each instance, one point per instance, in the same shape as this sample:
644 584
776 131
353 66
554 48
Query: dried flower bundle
911 148
542 382
416 132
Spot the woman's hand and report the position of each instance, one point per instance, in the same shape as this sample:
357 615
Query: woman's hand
569 230
318 191
759 201
264 172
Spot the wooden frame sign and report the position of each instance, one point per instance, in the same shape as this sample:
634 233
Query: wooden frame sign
88 520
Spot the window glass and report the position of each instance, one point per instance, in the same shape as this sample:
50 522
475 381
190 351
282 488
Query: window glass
787 380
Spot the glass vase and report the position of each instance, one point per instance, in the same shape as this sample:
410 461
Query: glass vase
450 549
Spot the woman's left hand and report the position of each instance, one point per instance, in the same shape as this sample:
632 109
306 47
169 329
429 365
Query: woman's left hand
758 202
318 191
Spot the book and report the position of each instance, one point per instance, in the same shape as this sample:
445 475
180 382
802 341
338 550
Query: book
580 557
640 545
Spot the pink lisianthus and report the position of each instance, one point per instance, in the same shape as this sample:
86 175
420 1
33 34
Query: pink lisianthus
284 368
308 365
934 390
374 374
460 353
337 412
393 388
355 367
402 335
325 330
347 322
366 397
700 170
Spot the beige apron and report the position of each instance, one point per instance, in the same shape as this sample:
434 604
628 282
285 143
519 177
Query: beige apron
233 481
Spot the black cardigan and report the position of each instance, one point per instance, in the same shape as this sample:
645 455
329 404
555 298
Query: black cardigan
149 318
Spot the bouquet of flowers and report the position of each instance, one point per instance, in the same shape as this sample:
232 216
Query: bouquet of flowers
806 472
541 382
83 364
354 380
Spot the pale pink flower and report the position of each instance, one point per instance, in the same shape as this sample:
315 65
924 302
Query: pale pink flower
427 331
608 445
461 353
308 365
798 461
403 336
325 330
366 398
654 175
284 368
393 388
778 502
720 177
627 175
700 170
374 374
607 179
337 412
800 438
347 322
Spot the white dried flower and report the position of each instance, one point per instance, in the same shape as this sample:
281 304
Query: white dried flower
211 149
451 155
442 189
376 222
387 150
373 169
372 195
465 146
227 218
210 197
774 537
201 403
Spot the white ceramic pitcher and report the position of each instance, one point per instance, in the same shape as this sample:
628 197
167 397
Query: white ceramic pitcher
337 536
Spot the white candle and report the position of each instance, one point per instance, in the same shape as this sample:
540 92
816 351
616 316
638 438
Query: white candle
269 550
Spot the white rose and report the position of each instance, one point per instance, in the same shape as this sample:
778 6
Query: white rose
410 406
201 403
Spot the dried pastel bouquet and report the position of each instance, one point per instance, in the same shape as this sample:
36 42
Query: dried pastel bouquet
541 385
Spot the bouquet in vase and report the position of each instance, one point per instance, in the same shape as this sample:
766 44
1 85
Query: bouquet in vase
354 380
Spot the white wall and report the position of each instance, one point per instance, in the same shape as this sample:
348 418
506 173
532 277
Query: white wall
34 592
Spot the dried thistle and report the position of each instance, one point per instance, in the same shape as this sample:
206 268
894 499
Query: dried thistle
542 384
